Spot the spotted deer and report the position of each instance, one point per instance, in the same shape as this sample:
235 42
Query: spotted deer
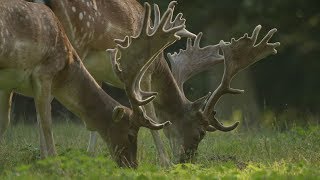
37 60
92 26
116 18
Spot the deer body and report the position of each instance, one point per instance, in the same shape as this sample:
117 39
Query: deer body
92 29
37 60
93 26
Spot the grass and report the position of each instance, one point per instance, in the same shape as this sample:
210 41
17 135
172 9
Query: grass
264 154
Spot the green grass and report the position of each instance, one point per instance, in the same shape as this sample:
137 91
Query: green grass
267 154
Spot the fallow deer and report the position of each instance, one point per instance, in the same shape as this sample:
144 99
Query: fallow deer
188 123
195 118
37 60
92 26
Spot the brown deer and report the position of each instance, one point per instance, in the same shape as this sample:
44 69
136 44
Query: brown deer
119 18
37 60
195 118
92 27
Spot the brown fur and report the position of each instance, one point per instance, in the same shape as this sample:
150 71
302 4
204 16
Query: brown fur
36 59
125 17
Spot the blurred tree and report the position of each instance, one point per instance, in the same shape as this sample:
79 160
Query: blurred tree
289 80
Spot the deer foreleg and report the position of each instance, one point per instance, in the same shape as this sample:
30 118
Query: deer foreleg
5 106
162 154
43 98
92 141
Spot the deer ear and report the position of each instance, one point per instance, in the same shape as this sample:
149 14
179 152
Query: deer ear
201 102
118 113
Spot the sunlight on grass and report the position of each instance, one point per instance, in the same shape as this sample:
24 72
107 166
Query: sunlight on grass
293 154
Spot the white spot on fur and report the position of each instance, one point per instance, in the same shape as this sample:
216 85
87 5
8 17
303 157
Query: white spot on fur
108 28
88 4
88 24
84 13
80 16
74 9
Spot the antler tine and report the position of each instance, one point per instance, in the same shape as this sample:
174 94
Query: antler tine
179 20
123 42
132 60
193 60
172 5
238 55
189 44
156 15
255 34
115 65
146 121
197 40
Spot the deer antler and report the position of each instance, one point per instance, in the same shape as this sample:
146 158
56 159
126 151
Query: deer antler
193 60
133 56
238 55
179 20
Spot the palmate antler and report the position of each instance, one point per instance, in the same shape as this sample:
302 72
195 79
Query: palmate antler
133 56
238 55
193 60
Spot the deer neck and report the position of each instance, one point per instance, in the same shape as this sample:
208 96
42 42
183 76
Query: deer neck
77 90
94 24
170 98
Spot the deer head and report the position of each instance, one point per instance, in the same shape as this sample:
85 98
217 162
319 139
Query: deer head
131 58
199 116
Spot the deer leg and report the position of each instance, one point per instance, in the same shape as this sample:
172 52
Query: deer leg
43 146
43 98
5 106
92 141
162 154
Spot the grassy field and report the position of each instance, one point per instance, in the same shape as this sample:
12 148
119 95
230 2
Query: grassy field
264 154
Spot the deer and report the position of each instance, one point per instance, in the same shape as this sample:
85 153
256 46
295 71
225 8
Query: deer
38 60
188 125
198 117
92 26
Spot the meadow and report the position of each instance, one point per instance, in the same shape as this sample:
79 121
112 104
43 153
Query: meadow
241 154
